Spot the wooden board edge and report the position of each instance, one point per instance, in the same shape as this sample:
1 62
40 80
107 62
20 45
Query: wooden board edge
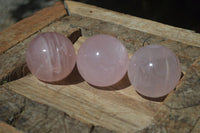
170 32
28 26
5 128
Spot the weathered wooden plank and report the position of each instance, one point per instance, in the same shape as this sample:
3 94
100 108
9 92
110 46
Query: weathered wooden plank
120 110
133 39
5 128
118 107
178 34
196 128
32 117
23 29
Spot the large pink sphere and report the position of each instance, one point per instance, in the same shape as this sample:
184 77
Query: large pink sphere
154 70
50 56
102 60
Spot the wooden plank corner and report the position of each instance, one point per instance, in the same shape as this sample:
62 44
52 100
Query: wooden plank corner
28 26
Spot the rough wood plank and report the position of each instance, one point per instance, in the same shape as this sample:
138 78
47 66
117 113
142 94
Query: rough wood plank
196 128
89 104
133 39
33 117
5 128
120 110
30 25
123 108
178 34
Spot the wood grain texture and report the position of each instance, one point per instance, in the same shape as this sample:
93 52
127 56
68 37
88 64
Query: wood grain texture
118 107
23 29
5 128
32 117
25 114
178 34
120 110
133 39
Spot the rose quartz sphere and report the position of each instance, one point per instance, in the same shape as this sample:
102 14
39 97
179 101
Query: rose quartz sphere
102 60
50 57
154 70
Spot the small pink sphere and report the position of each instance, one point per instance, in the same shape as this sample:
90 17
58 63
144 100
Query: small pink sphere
102 60
154 70
50 57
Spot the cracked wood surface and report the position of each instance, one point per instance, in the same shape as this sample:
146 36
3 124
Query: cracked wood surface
120 109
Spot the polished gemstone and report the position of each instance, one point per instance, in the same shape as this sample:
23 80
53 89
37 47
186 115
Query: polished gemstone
154 70
50 56
102 60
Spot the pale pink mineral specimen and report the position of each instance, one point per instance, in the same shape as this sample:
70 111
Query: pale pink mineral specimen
50 56
102 60
154 70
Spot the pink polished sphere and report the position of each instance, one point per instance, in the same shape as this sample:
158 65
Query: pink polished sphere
102 60
50 57
154 70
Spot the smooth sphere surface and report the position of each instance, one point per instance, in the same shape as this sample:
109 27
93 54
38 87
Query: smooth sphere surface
154 70
102 60
50 56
